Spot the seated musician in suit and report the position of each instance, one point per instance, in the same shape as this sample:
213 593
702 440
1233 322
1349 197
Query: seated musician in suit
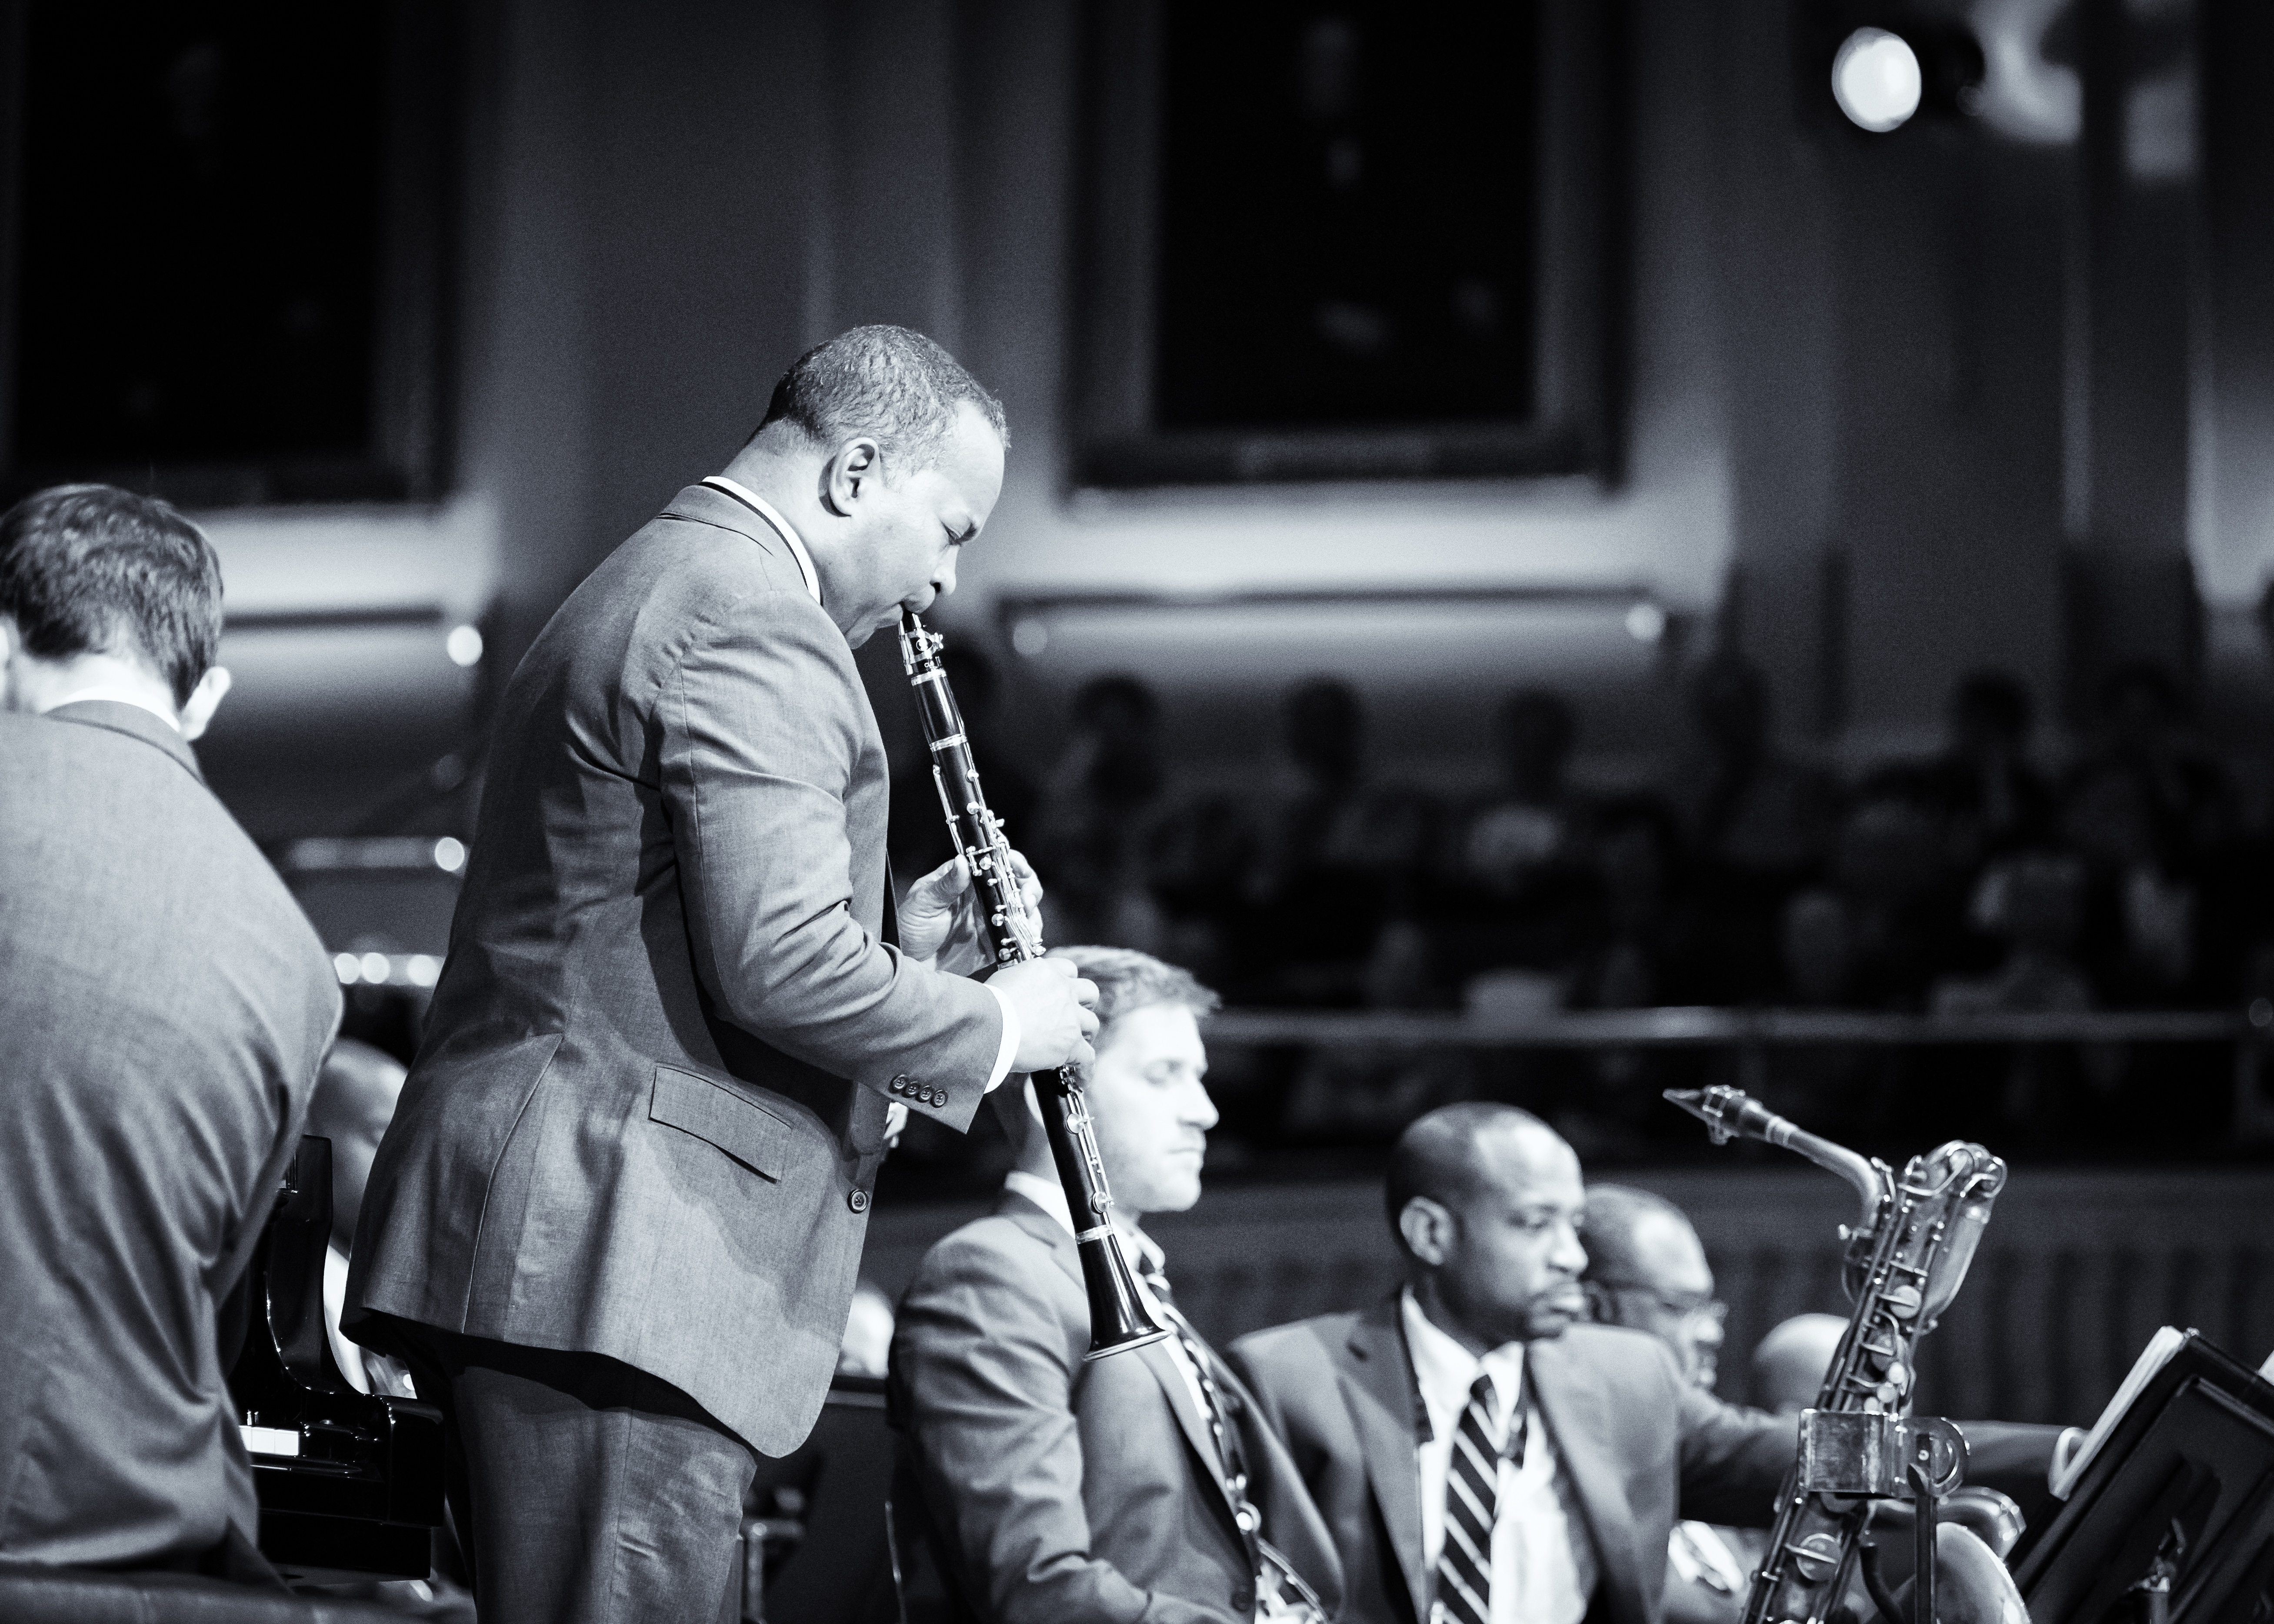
163 1007
1135 1486
1483 1455
1481 1451
1646 1270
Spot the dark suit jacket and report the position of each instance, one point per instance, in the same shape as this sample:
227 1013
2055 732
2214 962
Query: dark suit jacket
1643 1446
1058 1491
649 1103
164 1008
1634 1437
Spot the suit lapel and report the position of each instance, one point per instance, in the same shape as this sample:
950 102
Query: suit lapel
1577 1411
1385 1407
1155 1356
1170 1381
1044 1227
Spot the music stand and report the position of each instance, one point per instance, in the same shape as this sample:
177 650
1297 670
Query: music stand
2177 1504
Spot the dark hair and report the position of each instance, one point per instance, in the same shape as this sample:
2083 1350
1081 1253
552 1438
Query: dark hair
1436 1155
1613 1212
93 569
884 382
1128 979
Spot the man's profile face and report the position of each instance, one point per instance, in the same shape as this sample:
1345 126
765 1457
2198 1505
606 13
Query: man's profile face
1670 1294
1511 1270
912 524
1152 1110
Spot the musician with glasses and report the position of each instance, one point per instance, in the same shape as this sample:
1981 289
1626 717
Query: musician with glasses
1646 1270
1135 1486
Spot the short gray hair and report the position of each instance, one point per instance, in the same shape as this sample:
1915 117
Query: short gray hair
1128 979
887 382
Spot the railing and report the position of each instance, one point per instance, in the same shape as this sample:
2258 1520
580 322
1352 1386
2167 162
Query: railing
1707 1028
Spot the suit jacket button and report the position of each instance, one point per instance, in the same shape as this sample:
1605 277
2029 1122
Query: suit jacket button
1243 1600
858 1200
938 1096
899 1085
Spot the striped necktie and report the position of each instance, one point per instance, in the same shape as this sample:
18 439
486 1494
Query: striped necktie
1472 1485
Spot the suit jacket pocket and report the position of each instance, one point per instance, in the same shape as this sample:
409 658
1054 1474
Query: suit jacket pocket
719 1115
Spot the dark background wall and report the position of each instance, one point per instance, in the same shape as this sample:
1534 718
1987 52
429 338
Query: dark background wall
1894 407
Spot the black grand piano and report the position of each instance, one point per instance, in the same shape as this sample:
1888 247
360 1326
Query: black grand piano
350 1483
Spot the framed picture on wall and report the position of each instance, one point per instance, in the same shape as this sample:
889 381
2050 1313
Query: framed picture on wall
1334 239
223 246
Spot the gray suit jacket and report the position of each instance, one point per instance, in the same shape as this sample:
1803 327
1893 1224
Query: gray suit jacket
1636 1438
1060 1492
164 1008
651 1099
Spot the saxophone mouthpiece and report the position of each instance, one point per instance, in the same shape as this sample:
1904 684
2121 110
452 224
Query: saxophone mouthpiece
1699 1104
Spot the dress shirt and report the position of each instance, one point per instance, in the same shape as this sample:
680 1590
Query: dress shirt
1543 1561
1049 1195
783 528
120 694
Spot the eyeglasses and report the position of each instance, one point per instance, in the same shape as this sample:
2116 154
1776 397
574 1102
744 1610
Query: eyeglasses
1680 1305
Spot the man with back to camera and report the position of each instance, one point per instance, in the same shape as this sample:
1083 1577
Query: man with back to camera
615 1225
1131 1487
165 1005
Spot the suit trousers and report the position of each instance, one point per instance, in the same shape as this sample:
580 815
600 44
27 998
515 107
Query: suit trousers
584 1490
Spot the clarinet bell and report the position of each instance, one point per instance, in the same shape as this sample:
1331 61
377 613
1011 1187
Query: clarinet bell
1118 1318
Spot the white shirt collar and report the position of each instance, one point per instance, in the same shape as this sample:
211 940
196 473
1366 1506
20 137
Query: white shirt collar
765 509
1445 1371
1046 1193
1049 1195
119 694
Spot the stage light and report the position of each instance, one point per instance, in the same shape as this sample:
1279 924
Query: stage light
464 645
1646 622
348 967
450 855
1876 80
1030 637
423 969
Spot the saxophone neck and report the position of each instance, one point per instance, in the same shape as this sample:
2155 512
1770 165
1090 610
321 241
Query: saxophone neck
1731 1113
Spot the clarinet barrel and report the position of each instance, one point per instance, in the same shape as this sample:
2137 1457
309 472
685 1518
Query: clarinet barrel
1118 1318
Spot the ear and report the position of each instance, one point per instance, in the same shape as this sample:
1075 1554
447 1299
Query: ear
204 700
1428 1228
852 469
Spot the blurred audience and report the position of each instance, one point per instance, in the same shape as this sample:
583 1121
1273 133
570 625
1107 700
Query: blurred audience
1098 808
1966 881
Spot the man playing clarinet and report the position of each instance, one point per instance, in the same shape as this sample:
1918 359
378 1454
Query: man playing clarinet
615 1225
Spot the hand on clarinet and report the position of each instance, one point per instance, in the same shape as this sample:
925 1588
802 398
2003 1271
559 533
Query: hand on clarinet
940 920
1057 1013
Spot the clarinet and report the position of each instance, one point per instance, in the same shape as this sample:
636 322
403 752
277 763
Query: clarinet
1118 1318
1907 1256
